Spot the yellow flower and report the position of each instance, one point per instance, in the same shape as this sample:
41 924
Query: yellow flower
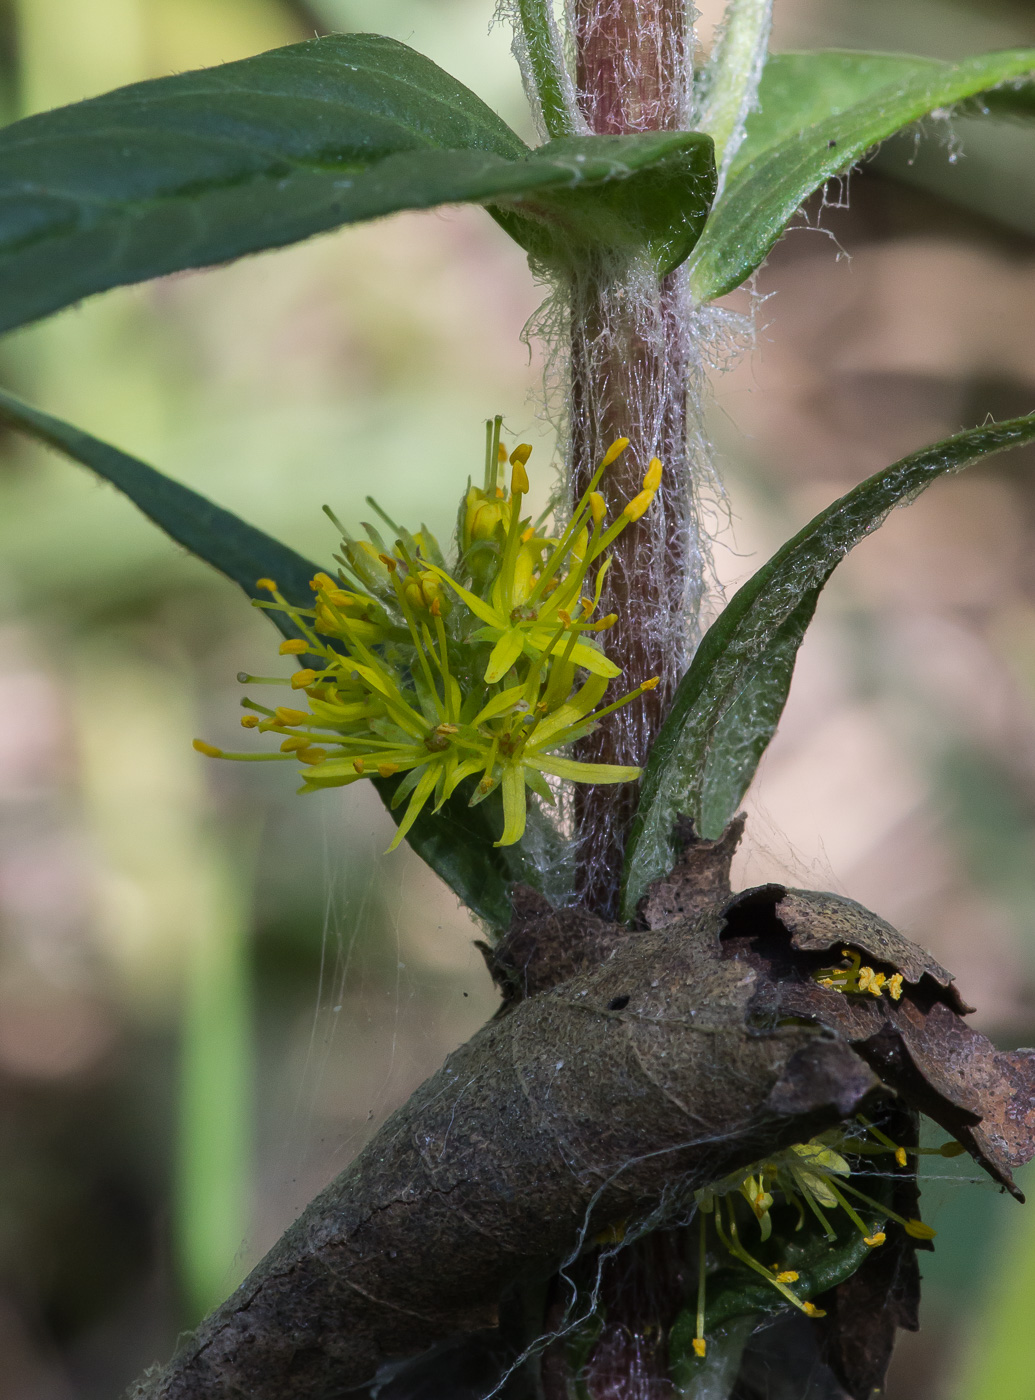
815 1177
537 582
858 979
486 672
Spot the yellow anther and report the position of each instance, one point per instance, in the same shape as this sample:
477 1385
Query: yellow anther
652 480
319 581
787 1275
651 684
810 1310
878 983
518 480
359 765
900 1156
597 507
294 743
390 563
919 1230
436 607
527 535
614 451
564 616
638 506
294 646
249 721
895 986
501 454
387 770
312 756
266 583
605 623
700 1346
209 750
285 716
521 453
874 1240
301 679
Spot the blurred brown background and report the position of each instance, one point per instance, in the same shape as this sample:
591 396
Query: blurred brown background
212 993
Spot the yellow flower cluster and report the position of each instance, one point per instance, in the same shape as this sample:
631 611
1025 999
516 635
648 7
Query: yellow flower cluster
859 979
814 1177
485 671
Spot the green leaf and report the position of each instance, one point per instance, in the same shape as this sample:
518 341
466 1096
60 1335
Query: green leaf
457 843
545 54
205 167
199 168
648 192
238 550
820 114
728 704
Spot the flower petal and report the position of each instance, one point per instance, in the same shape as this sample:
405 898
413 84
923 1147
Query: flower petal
514 806
584 772
593 660
478 606
499 704
422 792
504 654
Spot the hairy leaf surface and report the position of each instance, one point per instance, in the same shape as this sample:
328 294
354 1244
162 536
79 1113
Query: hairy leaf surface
205 167
458 843
728 704
820 114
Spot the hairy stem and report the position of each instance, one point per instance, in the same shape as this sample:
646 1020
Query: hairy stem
631 362
629 373
630 365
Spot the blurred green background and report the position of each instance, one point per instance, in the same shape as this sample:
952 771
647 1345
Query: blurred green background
212 993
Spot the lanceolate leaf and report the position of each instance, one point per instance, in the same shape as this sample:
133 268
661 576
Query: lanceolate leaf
205 167
820 113
728 704
238 550
458 843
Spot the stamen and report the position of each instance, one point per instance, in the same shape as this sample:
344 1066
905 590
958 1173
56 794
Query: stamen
702 1262
614 451
286 716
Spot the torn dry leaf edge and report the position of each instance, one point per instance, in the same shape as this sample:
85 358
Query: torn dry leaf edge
608 1098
